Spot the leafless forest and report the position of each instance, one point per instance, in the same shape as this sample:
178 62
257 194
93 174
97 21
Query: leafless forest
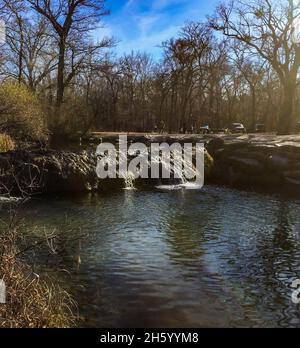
240 65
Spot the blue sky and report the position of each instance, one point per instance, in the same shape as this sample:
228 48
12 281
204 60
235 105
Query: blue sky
144 24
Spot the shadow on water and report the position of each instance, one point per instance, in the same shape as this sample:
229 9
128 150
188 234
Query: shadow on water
216 257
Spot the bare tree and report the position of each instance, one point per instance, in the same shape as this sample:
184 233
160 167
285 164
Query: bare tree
70 20
253 71
266 28
248 75
30 52
195 63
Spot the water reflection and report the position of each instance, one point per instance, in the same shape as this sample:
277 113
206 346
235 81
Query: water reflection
217 257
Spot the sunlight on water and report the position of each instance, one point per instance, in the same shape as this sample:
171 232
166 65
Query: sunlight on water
169 187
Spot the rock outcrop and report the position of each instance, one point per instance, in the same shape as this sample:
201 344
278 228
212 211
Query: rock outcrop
27 172
255 162
263 162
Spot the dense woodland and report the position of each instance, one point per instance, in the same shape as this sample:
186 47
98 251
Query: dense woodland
240 65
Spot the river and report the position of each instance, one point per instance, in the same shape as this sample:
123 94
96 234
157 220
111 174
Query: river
217 257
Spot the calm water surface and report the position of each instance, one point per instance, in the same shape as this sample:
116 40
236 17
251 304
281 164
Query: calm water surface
210 258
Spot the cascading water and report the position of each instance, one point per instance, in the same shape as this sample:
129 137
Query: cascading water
171 168
181 169
129 183
125 174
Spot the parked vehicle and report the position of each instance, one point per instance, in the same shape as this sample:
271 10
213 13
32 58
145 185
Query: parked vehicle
260 128
237 128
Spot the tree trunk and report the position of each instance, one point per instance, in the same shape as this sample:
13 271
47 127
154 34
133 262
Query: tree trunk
285 124
253 92
61 74
21 52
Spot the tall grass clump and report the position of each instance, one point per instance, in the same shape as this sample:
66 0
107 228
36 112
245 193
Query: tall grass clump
32 301
6 143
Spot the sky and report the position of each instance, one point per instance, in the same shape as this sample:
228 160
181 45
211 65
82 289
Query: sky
142 25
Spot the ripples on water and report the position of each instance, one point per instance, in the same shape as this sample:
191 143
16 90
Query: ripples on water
215 257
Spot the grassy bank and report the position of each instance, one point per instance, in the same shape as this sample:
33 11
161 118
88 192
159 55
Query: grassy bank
32 301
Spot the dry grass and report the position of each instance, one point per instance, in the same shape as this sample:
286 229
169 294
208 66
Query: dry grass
32 301
6 143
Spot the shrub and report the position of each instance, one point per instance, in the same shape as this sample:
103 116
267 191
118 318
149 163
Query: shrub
6 143
21 114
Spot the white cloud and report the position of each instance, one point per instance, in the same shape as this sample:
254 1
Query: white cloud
103 32
145 23
150 42
161 4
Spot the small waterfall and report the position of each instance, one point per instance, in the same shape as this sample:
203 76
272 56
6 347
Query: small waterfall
129 182
181 170
128 177
190 170
173 170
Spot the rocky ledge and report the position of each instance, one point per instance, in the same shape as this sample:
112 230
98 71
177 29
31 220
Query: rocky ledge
264 161
24 173
27 172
